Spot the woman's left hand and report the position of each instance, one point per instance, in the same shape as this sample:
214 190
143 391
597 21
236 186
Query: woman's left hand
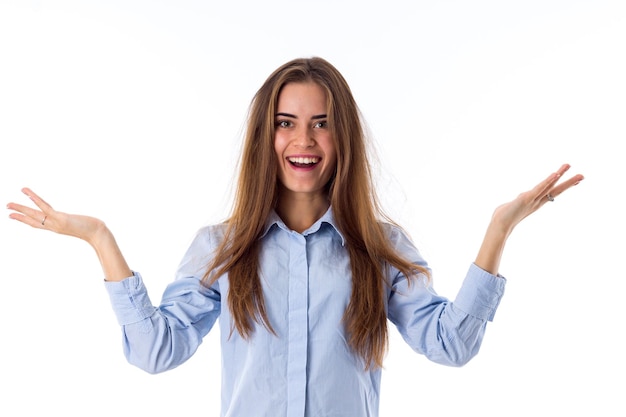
508 215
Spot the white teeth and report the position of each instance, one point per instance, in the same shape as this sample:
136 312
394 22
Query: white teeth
304 160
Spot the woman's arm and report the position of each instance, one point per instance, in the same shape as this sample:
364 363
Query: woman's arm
89 229
508 215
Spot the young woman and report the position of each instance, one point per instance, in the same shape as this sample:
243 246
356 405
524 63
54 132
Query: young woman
307 270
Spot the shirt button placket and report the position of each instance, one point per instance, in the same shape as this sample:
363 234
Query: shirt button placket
298 326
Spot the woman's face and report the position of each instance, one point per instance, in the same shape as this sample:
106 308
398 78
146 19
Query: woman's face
303 142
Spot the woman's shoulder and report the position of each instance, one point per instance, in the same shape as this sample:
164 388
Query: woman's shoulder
393 231
211 234
213 229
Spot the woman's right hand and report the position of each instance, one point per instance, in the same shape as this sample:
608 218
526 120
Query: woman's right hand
82 227
89 229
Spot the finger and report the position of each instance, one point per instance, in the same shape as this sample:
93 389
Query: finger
551 190
559 189
542 189
563 169
27 215
33 222
45 207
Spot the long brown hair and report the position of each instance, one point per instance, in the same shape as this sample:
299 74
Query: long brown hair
355 206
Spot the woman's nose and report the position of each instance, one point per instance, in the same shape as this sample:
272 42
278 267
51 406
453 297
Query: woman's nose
304 138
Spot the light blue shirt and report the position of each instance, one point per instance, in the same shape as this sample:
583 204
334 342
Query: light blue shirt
307 368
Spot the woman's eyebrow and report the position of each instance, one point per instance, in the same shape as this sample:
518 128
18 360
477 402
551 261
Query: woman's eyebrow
293 116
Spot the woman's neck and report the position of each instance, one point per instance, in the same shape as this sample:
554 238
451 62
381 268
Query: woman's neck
299 211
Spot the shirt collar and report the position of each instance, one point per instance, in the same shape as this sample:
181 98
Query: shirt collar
327 218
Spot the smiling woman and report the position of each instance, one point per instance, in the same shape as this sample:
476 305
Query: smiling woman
307 270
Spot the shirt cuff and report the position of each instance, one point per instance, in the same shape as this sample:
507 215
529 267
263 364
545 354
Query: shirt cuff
480 293
129 299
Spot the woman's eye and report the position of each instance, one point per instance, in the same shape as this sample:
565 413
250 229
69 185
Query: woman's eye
283 123
321 125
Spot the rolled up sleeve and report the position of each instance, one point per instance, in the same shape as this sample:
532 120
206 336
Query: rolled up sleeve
130 300
446 332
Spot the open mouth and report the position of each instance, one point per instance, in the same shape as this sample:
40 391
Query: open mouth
304 161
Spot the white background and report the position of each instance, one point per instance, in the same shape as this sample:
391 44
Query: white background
132 111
